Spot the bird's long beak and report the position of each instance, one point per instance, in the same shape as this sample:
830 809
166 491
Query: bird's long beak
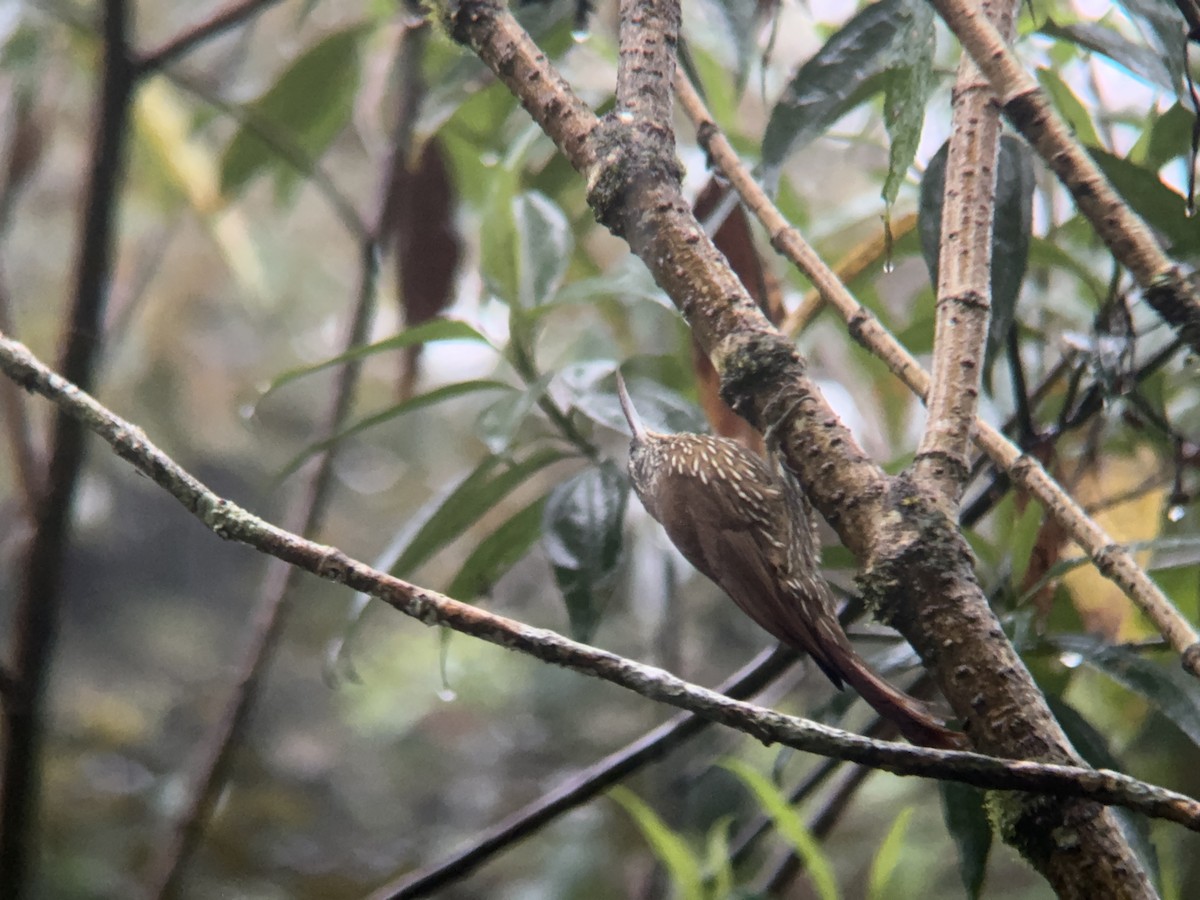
631 416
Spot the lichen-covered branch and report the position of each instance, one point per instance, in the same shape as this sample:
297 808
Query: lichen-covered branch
231 522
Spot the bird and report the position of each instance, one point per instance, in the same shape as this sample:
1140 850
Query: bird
746 525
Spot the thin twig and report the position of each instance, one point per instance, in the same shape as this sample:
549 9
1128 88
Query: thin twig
229 521
305 517
40 594
218 23
1111 559
1167 290
583 787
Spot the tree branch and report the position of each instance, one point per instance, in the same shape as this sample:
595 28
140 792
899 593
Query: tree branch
37 612
182 44
964 278
918 570
229 521
1111 559
1172 295
585 786
306 517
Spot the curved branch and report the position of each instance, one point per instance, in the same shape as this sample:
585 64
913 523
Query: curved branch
229 521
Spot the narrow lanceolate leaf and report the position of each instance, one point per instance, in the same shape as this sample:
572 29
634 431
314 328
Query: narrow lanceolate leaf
682 866
791 828
1011 232
498 552
1162 27
1171 690
906 93
526 247
437 395
429 332
1162 208
968 823
493 480
887 858
844 73
307 107
582 538
1137 58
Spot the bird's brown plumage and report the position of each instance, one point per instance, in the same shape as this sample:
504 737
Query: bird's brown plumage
748 527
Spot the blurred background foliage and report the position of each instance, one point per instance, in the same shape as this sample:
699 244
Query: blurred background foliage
484 454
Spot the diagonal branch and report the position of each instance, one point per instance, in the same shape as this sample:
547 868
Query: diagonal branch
229 521
306 516
1111 558
218 23
588 784
1172 295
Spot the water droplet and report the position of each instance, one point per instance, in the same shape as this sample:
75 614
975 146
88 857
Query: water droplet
1071 660
580 34
247 411
1176 512
625 117
889 266
489 159
446 695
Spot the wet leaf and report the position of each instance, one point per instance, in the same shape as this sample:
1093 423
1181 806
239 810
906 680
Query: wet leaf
842 74
1011 233
437 330
1171 690
498 552
308 105
582 538
971 829
491 481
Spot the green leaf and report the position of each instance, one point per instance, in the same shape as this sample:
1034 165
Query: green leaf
906 94
1168 138
1011 233
1069 107
1171 690
1162 26
718 863
887 858
831 83
498 424
775 804
492 480
968 823
672 851
581 531
498 552
1161 207
309 104
661 408
526 248
437 395
1138 59
426 333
